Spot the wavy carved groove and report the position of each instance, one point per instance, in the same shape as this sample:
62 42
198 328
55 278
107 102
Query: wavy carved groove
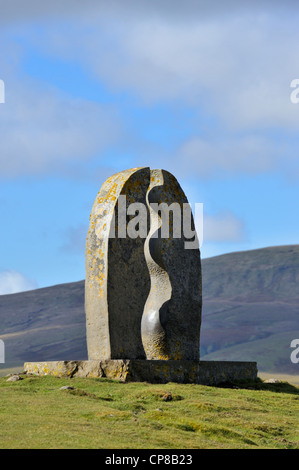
170 326
155 311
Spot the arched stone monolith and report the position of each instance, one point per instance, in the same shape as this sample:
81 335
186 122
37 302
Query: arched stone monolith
117 279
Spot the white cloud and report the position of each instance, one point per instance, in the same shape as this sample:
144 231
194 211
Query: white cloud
42 130
17 11
236 65
13 281
230 62
205 157
223 227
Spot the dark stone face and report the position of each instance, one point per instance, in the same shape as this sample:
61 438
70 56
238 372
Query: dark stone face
172 313
143 288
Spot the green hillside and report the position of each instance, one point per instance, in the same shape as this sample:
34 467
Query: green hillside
103 414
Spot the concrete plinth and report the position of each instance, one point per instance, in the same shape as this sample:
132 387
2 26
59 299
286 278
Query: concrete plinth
152 371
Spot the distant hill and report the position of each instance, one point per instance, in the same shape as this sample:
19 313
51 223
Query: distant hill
251 307
44 324
250 312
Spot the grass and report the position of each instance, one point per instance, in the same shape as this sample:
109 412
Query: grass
99 413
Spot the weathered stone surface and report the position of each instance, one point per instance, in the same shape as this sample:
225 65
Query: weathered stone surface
172 313
117 279
56 368
142 294
273 381
152 371
14 378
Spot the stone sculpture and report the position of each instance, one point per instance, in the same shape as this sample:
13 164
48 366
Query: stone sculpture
117 279
143 288
143 295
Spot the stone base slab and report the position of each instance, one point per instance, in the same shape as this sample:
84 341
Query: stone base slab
152 371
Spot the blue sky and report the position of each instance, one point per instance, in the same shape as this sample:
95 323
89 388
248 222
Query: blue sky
201 89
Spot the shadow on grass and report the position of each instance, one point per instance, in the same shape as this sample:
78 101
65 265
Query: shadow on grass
258 384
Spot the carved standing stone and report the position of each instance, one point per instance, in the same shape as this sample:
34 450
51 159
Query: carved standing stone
143 289
117 279
142 293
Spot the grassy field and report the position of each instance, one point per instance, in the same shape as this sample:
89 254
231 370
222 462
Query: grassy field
99 413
